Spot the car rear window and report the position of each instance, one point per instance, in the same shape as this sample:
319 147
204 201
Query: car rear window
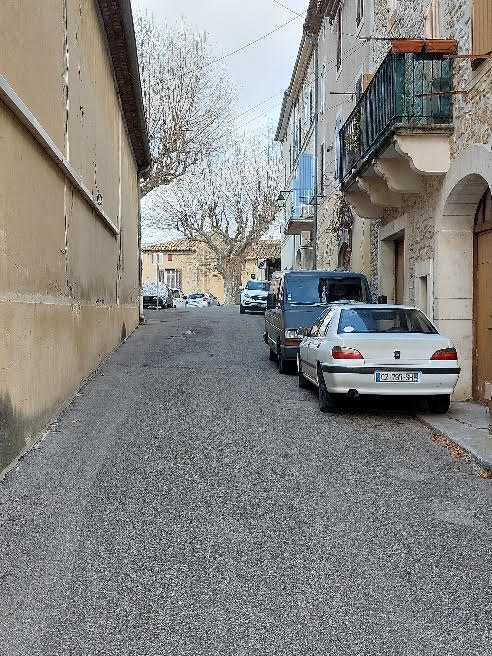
196 296
324 289
384 320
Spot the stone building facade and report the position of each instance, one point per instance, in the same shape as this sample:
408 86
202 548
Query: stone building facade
321 229
426 188
74 144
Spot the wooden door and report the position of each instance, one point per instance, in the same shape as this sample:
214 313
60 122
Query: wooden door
483 313
399 271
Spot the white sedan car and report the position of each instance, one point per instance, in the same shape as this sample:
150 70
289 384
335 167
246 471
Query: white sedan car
377 349
201 299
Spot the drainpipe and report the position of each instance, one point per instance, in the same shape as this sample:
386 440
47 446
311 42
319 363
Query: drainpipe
314 41
140 258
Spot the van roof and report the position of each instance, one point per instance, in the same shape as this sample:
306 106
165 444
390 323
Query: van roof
317 272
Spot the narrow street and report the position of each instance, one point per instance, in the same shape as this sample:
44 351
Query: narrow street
192 501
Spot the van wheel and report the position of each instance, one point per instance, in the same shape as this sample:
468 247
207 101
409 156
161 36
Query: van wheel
283 365
303 383
439 404
327 402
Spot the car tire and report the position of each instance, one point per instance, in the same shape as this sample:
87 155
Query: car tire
303 382
439 404
283 364
327 402
272 355
241 309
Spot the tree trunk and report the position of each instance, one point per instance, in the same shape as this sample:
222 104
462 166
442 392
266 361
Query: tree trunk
232 282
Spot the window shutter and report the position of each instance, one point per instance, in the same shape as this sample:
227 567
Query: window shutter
481 27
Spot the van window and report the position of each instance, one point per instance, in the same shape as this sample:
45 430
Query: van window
324 289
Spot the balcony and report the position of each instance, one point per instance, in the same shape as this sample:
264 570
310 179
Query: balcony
301 220
398 131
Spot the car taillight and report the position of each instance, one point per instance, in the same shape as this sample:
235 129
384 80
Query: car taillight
345 353
445 354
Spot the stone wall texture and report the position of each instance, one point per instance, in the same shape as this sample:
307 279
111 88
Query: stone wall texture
472 116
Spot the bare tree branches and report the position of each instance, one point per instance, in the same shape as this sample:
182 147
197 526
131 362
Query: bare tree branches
228 205
187 99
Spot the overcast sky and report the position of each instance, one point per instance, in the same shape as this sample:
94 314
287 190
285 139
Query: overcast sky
259 71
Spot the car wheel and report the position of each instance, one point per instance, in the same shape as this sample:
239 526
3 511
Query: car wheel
272 355
439 404
327 402
241 309
283 365
303 382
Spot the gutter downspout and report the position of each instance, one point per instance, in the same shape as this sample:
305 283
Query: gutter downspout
314 41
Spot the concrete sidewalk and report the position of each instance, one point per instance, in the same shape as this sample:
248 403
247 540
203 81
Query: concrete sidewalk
466 425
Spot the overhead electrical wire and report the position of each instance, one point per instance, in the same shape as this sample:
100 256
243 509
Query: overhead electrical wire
260 103
285 7
251 43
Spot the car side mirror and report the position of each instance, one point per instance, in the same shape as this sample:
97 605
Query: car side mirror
241 288
271 301
382 300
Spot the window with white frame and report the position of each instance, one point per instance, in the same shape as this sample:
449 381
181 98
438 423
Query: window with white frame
172 278
307 107
322 95
339 39
156 258
360 12
338 126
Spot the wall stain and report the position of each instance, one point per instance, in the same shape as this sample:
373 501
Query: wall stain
17 430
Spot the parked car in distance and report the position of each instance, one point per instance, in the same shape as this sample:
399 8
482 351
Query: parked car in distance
386 350
300 299
156 296
254 295
179 299
201 299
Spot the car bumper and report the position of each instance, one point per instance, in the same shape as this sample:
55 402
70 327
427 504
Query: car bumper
254 305
289 352
433 381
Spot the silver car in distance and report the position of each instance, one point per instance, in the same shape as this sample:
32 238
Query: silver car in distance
389 350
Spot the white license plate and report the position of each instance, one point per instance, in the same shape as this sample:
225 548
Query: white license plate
397 376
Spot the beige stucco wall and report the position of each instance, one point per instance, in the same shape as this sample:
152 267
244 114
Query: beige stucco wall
68 286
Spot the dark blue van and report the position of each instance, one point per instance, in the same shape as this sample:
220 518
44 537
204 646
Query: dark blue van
300 298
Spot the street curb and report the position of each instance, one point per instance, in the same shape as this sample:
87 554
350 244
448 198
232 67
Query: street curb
476 442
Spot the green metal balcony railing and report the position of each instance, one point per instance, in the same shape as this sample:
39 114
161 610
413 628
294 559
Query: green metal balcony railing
394 98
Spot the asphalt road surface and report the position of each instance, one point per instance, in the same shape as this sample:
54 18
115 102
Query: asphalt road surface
192 501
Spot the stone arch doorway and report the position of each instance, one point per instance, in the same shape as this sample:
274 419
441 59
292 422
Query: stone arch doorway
456 261
482 298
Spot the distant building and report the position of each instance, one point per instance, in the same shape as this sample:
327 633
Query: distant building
189 265
74 145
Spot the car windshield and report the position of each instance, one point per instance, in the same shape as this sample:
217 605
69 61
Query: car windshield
258 285
199 295
384 320
324 289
